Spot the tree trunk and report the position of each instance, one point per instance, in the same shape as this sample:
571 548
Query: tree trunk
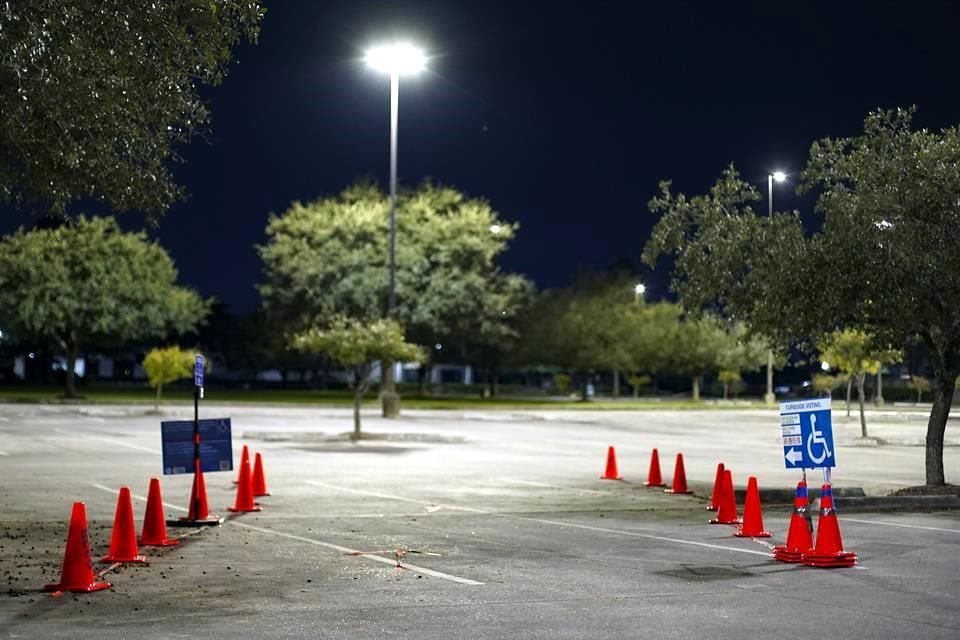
425 371
616 383
357 395
495 390
849 387
389 398
919 396
156 401
636 391
863 417
726 387
879 399
944 384
71 376
696 388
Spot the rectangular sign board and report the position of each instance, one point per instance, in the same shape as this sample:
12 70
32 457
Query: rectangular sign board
216 450
198 371
807 432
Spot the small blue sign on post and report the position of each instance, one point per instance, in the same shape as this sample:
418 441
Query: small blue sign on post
198 371
807 434
216 448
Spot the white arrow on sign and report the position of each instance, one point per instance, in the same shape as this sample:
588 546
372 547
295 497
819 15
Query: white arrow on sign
793 456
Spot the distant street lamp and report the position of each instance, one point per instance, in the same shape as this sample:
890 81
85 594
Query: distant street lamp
396 59
777 176
638 291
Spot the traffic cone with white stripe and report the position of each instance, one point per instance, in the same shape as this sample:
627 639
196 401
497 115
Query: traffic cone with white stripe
828 551
799 535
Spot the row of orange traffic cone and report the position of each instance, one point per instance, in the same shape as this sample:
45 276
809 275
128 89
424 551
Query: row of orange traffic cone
77 572
654 477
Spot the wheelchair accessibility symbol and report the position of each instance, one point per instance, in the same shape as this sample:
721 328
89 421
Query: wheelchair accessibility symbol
814 439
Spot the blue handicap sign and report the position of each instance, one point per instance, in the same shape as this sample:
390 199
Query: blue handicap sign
198 371
216 448
807 433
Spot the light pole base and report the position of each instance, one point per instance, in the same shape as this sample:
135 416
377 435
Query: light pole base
769 399
390 404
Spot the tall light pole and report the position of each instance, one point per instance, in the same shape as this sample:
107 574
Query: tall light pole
777 176
401 58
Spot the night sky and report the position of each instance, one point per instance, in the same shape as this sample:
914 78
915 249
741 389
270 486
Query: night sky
565 115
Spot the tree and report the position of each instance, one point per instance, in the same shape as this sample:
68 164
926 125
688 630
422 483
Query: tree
853 352
825 384
166 365
329 257
359 345
95 95
886 246
89 283
705 344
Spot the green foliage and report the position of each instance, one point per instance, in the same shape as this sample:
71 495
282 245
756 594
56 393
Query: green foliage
883 261
354 343
854 353
329 258
95 95
167 364
562 381
89 283
825 384
358 345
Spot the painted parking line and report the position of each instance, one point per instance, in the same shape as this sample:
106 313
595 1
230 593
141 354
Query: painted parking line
319 543
544 485
557 523
119 443
4 453
360 554
387 496
900 524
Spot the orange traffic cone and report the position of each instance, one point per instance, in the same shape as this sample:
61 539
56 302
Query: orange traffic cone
828 551
610 473
717 486
679 478
799 537
244 501
654 479
198 513
77 571
154 532
123 539
244 459
752 526
259 480
727 512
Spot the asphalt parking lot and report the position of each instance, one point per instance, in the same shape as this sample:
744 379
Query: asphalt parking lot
507 528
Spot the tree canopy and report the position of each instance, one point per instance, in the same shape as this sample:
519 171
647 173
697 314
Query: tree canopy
89 283
95 96
883 260
329 258
358 345
164 365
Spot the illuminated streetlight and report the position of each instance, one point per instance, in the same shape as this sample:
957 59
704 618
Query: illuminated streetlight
401 58
638 291
825 366
495 228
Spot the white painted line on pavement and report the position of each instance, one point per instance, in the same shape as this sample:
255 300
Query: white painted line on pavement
898 524
368 556
542 521
2 419
544 485
648 536
387 496
4 453
119 443
92 419
328 545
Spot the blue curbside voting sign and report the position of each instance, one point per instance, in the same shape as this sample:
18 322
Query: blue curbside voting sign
198 371
216 449
807 434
